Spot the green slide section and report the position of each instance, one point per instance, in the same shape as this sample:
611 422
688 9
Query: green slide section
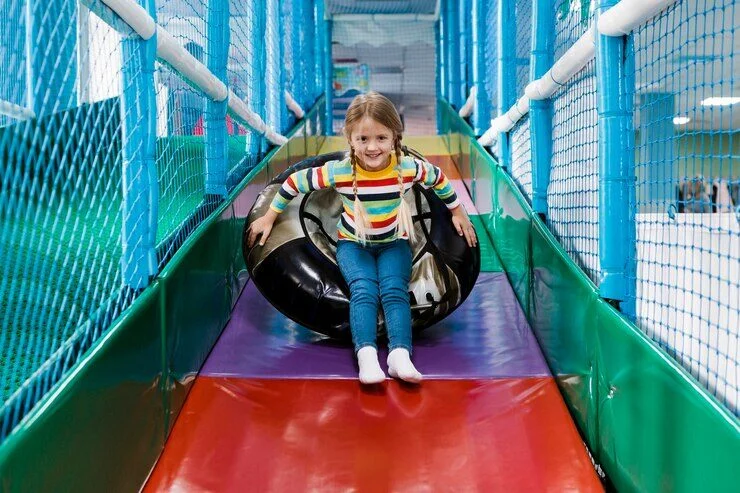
647 421
489 261
104 425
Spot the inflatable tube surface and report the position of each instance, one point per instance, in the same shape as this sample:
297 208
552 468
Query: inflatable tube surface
296 269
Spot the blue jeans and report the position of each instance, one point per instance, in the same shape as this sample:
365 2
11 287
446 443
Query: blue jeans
377 274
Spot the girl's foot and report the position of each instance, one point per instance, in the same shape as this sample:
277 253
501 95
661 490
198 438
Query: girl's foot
400 366
370 371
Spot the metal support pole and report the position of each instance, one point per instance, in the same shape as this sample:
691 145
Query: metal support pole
482 111
463 27
328 81
540 112
139 136
506 58
255 73
442 55
51 56
216 135
453 68
615 88
274 74
319 44
297 39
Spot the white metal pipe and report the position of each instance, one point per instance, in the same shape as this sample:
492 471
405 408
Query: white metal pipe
240 110
489 137
194 71
469 105
623 17
572 62
293 105
134 15
619 20
169 50
14 111
506 122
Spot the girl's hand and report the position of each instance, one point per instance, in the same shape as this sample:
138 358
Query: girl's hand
262 226
463 225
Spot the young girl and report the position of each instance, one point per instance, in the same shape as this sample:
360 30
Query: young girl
373 251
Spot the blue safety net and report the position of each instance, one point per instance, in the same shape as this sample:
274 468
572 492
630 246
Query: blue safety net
108 157
687 151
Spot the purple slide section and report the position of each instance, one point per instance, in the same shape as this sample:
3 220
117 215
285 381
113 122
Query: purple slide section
486 337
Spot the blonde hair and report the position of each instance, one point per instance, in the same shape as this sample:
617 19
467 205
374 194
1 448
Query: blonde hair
379 108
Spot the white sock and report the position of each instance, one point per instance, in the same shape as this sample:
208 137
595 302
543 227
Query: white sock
370 371
400 366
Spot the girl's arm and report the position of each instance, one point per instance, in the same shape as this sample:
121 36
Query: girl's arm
303 181
430 176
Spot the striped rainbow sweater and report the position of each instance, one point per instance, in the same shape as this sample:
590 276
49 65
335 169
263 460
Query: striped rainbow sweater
378 191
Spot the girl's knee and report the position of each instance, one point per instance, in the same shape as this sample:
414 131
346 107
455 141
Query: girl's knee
363 290
394 292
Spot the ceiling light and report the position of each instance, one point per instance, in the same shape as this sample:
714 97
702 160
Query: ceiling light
681 120
721 101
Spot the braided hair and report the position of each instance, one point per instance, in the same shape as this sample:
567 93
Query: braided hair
380 109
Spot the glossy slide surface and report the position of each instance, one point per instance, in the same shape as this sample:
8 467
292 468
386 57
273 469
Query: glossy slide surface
278 408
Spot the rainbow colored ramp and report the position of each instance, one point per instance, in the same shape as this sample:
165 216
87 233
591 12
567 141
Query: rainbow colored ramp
279 408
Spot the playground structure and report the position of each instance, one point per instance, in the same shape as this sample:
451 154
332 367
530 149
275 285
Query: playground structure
598 160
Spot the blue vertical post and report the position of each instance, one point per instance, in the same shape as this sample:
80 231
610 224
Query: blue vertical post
296 41
506 77
439 73
328 81
217 56
482 112
463 26
51 55
443 54
307 44
274 75
319 44
452 38
540 112
615 88
255 74
139 136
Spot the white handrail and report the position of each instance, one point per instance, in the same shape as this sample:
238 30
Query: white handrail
568 65
623 17
240 110
172 52
194 71
134 15
469 105
293 105
619 20
14 111
505 122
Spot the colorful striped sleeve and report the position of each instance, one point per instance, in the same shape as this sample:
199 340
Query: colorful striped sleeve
303 181
430 176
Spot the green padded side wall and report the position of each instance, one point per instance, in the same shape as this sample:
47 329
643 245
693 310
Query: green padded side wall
648 423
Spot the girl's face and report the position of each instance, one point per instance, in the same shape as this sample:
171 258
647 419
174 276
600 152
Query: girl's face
373 144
